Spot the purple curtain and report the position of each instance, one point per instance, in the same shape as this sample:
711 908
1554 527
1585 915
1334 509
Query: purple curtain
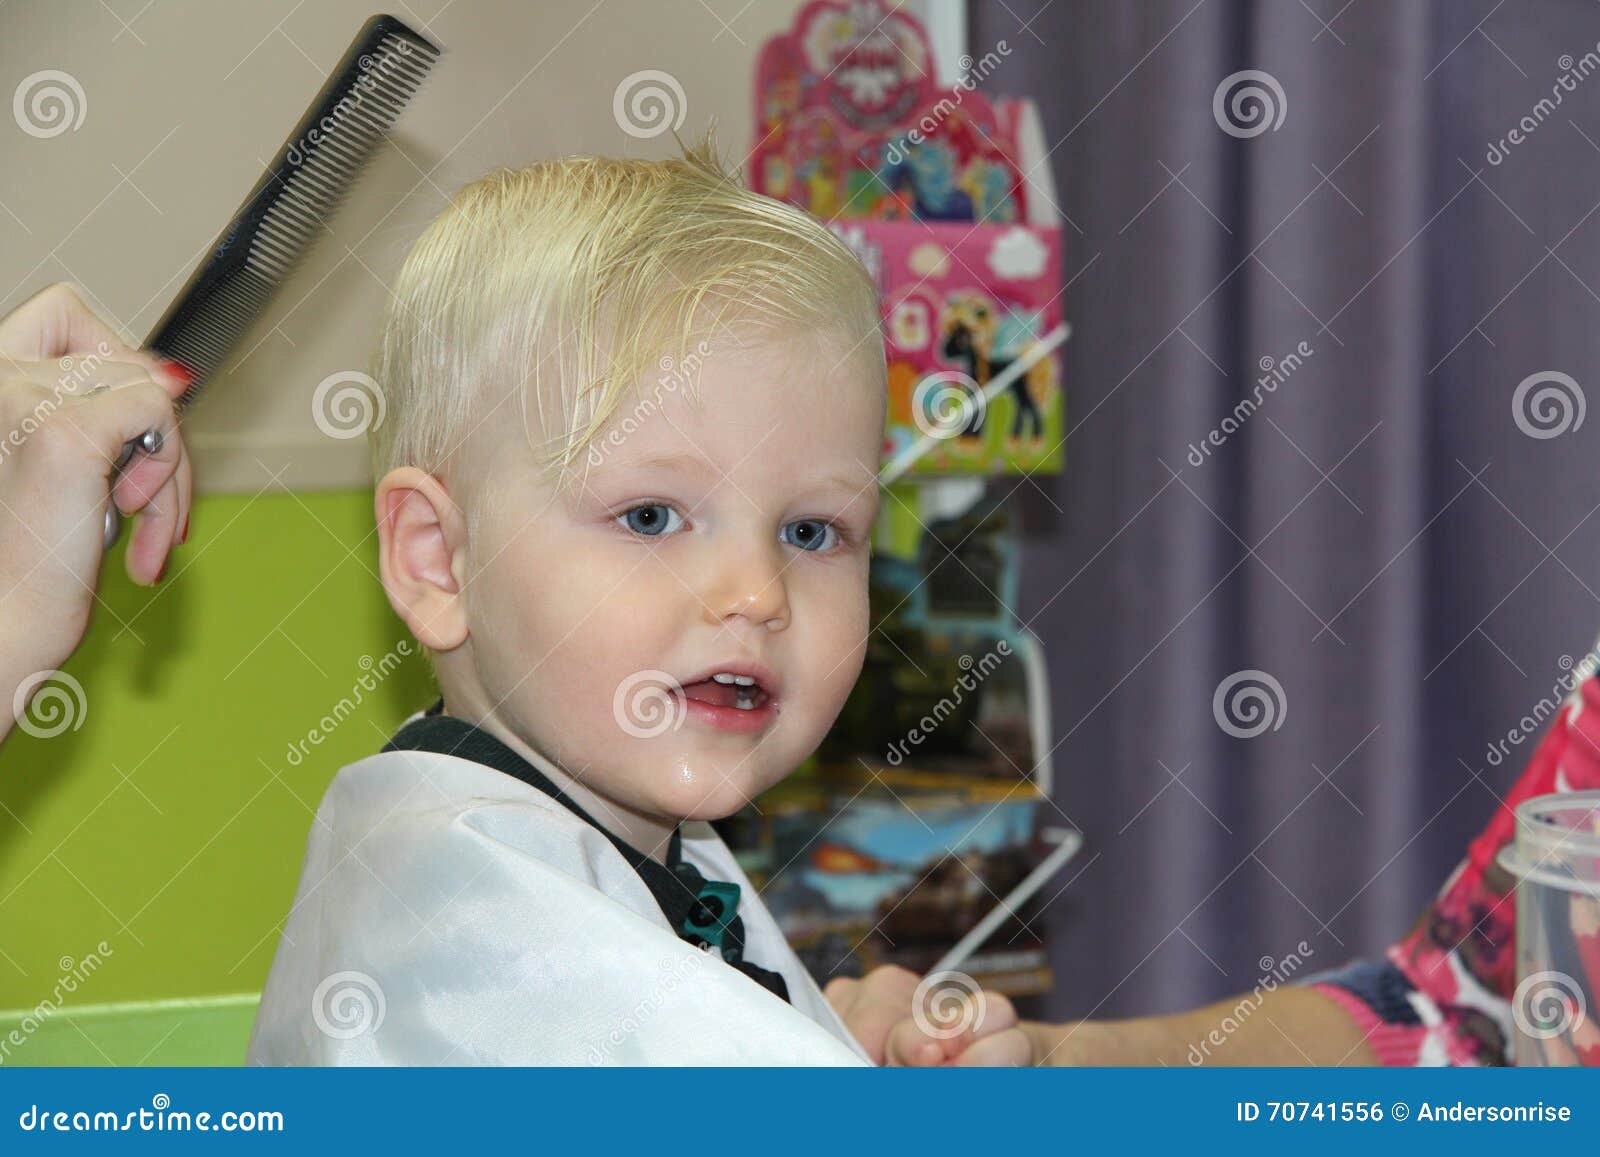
1325 391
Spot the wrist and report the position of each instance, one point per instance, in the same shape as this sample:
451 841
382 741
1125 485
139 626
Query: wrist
1142 1041
1069 1045
15 671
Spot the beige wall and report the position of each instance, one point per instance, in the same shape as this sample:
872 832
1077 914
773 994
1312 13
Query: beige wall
184 105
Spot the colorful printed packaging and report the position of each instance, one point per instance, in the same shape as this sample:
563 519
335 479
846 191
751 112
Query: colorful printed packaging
852 124
960 304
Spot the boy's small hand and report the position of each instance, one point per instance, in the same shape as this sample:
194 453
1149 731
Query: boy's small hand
871 1006
1017 1046
956 1024
959 1026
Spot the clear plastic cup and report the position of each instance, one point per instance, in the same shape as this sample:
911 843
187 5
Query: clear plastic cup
1555 857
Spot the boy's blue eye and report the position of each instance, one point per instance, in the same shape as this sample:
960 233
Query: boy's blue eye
811 534
652 520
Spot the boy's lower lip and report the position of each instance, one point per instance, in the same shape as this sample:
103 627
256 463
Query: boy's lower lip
732 718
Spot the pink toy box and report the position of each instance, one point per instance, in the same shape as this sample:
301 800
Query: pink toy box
945 194
960 304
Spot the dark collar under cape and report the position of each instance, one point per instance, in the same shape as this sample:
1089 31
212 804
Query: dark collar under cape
676 885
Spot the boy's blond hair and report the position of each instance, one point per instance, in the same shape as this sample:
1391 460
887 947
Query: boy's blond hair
567 280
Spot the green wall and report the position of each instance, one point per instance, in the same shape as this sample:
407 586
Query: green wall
171 823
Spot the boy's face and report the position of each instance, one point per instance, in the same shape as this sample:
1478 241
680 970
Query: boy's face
729 537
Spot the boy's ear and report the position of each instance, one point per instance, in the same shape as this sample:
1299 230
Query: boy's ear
421 546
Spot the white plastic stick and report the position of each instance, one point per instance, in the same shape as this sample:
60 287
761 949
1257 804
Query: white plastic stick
1071 841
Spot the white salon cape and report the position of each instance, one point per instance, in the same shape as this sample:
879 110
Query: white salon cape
449 914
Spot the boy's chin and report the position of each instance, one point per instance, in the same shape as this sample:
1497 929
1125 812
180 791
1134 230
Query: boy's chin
715 803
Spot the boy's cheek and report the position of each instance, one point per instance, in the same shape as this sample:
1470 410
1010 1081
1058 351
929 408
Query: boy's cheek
594 586
555 589
538 641
842 625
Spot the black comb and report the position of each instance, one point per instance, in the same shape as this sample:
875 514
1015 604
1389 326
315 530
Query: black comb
280 219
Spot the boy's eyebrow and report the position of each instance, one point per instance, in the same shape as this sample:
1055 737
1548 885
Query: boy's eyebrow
668 461
853 484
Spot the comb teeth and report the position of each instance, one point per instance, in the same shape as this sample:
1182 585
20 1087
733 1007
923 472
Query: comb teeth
215 326
322 167
283 215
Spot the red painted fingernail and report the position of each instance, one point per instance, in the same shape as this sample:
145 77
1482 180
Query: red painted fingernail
184 537
160 574
178 370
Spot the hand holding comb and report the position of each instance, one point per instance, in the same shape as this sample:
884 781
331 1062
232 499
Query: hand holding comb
280 219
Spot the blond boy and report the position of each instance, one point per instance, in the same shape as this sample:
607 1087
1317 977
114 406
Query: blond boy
625 484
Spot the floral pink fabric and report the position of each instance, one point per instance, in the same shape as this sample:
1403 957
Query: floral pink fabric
1442 996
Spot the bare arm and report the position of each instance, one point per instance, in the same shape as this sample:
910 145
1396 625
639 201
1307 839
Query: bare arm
1287 1026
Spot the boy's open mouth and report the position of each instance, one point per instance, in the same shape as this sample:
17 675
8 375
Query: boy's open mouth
734 695
728 691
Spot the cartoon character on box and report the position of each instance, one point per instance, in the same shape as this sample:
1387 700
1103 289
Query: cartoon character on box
975 337
988 189
931 168
951 177
961 305
898 145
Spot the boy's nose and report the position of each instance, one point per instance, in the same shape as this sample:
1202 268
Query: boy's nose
748 583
